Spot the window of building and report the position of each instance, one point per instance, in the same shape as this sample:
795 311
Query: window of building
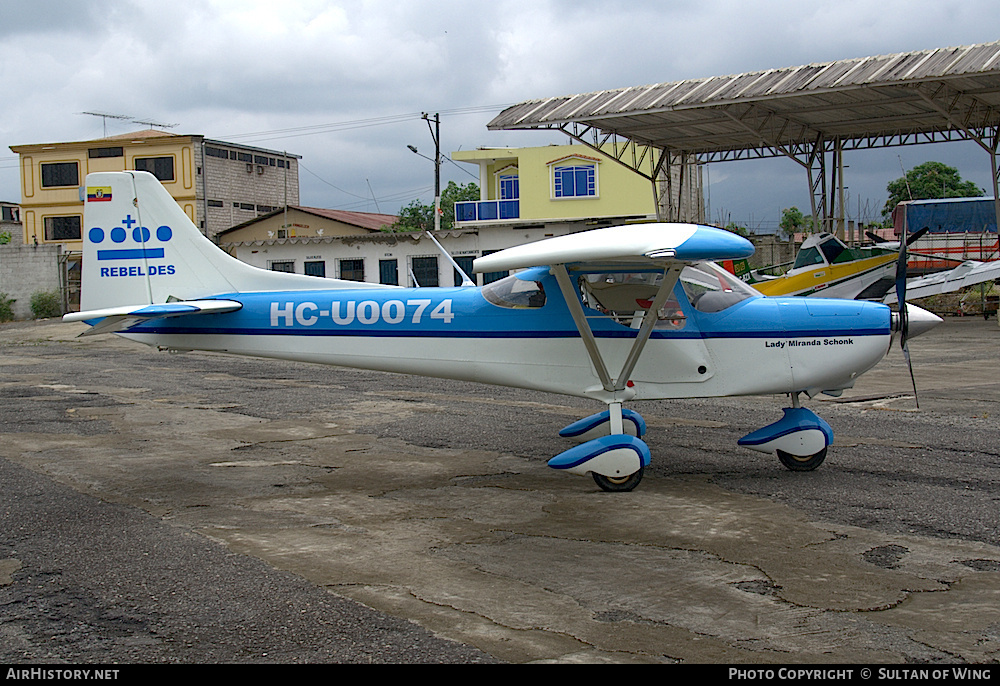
317 268
283 266
96 153
62 228
216 203
509 187
11 214
425 271
160 167
388 272
577 181
352 270
217 152
57 174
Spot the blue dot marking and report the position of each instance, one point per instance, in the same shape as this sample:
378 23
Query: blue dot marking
96 235
118 234
164 233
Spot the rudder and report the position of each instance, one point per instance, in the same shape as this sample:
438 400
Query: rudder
139 247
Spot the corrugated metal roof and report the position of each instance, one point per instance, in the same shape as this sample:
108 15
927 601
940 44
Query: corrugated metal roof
863 98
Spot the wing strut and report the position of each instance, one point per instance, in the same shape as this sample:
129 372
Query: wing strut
613 385
580 319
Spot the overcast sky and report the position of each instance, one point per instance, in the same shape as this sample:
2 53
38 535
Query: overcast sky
343 83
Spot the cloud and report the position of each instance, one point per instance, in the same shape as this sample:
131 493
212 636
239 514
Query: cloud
228 68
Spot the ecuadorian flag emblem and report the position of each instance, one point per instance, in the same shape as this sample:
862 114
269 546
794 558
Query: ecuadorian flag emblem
98 193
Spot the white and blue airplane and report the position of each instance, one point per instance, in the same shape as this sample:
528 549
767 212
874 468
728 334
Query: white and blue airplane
618 314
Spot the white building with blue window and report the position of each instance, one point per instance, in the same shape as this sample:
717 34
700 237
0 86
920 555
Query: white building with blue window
356 246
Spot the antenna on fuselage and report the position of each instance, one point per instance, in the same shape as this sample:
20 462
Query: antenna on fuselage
466 281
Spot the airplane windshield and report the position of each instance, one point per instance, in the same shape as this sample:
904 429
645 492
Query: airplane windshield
710 288
807 257
514 292
833 249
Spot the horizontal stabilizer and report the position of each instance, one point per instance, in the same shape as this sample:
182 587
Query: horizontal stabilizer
115 319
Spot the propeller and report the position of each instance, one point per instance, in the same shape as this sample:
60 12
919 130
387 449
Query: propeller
904 315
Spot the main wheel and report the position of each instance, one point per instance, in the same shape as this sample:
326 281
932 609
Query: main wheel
802 464
618 484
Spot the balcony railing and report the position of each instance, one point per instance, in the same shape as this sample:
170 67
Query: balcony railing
487 210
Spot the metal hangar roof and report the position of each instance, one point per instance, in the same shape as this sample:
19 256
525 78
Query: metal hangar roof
906 98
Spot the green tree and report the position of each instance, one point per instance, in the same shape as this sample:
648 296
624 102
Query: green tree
928 180
6 307
418 216
793 221
46 304
738 230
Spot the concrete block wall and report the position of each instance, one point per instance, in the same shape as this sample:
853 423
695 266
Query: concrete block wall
27 269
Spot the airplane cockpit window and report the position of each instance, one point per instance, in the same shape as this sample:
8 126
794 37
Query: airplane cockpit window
833 249
710 288
807 257
513 292
626 297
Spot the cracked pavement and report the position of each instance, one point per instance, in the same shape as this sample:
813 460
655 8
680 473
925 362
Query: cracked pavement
429 503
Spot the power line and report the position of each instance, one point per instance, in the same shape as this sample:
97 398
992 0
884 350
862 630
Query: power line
315 129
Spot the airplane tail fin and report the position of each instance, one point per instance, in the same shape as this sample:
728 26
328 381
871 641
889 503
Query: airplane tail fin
139 247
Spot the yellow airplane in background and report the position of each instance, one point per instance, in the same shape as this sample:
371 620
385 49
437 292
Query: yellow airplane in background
826 267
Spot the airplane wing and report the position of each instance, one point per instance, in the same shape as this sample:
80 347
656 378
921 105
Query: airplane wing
648 244
124 318
966 274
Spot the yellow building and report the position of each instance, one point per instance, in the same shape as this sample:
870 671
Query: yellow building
564 183
218 184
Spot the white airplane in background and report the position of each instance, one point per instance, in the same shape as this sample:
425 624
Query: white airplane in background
616 315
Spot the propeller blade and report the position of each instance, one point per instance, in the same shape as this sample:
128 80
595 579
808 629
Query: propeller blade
901 292
914 237
904 314
875 237
906 355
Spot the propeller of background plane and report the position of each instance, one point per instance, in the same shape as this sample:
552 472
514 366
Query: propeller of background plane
904 315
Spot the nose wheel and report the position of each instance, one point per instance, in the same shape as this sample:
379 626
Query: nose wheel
801 463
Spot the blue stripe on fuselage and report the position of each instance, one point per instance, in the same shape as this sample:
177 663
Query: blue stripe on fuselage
465 313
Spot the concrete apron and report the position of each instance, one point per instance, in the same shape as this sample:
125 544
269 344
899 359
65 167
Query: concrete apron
522 562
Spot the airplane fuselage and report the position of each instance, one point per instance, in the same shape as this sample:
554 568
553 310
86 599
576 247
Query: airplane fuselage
756 346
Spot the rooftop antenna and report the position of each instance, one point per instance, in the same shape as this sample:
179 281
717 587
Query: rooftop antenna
150 123
105 116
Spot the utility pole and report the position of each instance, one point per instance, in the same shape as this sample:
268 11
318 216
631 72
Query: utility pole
436 135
